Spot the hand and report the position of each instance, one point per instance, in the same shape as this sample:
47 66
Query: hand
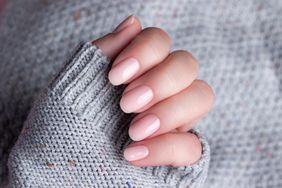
162 88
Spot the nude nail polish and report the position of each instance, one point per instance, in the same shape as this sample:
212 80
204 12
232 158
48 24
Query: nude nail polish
144 127
136 153
136 98
128 21
123 71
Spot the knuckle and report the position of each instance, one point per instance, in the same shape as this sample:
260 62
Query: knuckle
182 53
155 41
207 92
157 33
188 60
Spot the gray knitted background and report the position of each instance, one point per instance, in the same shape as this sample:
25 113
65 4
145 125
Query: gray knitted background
238 45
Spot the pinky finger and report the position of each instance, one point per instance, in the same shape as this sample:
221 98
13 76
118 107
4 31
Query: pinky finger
176 149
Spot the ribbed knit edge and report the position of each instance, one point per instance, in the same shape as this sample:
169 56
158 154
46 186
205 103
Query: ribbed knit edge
83 81
78 74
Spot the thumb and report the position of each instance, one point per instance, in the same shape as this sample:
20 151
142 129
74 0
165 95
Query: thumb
112 43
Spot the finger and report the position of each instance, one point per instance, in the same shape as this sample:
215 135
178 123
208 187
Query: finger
176 149
176 73
112 43
173 112
186 127
149 48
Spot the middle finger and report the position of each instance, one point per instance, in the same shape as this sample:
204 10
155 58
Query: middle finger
171 76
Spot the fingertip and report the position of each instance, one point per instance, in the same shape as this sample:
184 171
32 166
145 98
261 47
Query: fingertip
135 153
137 22
112 79
129 21
112 43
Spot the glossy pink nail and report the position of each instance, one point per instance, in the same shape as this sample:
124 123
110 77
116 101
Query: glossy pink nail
136 153
123 71
136 98
144 127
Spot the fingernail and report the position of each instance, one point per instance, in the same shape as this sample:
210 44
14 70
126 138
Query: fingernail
123 71
136 99
144 127
127 22
135 153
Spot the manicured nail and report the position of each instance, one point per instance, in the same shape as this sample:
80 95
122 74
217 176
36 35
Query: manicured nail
144 127
135 153
123 71
127 22
136 98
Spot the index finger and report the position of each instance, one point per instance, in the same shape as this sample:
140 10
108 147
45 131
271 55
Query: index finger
150 47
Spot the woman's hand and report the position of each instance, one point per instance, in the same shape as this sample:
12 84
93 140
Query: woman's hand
162 88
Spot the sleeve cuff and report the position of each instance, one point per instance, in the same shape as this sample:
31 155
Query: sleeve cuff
82 84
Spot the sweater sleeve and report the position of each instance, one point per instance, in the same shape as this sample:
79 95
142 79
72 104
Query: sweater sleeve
75 134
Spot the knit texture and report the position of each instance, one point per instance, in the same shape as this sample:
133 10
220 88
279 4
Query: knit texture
75 134
238 44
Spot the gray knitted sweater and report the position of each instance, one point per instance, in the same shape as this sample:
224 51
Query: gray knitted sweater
60 123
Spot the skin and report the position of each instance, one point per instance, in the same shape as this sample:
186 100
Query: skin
179 100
